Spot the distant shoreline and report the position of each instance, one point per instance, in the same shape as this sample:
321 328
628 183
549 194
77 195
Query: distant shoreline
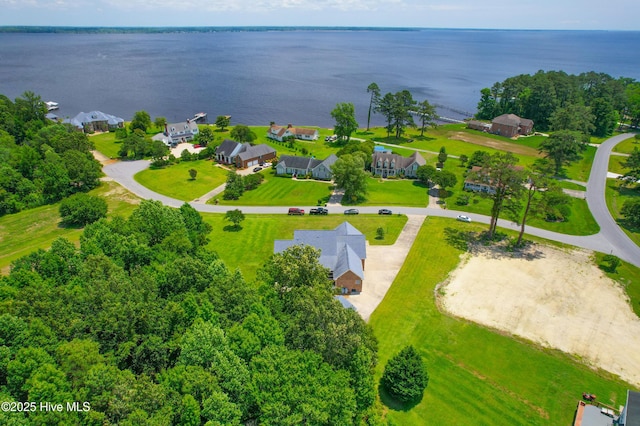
26 29
162 30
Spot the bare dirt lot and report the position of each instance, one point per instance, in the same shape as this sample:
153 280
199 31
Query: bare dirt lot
496 144
555 298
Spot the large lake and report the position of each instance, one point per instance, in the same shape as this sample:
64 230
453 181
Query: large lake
292 76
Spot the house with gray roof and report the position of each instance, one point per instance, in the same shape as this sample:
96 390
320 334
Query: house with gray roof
95 121
243 155
302 166
184 131
385 164
343 251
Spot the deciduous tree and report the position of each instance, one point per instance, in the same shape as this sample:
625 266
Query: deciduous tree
234 216
141 120
242 133
81 209
349 174
344 115
222 122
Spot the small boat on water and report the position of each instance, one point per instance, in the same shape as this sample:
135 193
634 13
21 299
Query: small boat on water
52 105
200 117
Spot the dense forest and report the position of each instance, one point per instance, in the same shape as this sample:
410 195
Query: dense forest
148 327
591 103
40 161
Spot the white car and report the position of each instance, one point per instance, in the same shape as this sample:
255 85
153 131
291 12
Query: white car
463 218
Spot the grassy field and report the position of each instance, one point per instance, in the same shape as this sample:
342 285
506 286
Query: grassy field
21 233
616 195
400 192
283 191
250 247
106 143
628 276
570 185
477 376
174 181
627 146
616 164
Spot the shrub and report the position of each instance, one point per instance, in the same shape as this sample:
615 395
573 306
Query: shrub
405 376
462 200
83 209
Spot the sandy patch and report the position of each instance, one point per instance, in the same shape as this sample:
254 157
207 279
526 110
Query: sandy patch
182 146
492 143
555 298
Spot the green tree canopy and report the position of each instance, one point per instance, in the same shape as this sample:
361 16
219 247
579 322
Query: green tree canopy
349 174
141 120
242 133
344 115
222 122
405 376
82 209
563 148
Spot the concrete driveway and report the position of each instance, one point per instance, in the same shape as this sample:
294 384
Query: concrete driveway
382 265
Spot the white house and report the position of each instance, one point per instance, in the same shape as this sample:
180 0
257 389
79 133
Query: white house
279 133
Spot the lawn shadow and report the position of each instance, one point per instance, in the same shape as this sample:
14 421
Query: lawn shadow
424 138
459 239
393 404
504 248
232 228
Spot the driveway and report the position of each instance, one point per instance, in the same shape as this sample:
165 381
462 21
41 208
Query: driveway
382 265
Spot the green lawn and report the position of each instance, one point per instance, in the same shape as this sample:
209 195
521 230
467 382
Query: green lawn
249 248
616 195
175 182
477 376
397 192
106 143
570 185
581 169
627 146
616 166
21 233
628 276
283 191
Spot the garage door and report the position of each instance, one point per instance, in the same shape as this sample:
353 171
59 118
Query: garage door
252 163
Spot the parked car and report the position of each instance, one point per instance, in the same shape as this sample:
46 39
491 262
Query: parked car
351 211
385 211
319 210
296 211
463 218
257 169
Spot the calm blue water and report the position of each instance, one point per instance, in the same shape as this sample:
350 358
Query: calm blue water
293 76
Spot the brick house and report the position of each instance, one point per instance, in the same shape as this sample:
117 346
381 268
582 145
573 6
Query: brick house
342 250
510 125
243 155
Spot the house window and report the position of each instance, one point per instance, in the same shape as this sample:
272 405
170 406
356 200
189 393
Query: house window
358 281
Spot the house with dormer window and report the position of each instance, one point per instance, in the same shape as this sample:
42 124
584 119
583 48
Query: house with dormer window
385 164
279 133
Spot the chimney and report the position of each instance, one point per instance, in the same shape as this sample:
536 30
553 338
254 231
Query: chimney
289 126
166 129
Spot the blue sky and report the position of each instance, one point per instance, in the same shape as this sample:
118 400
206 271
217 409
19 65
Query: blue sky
502 14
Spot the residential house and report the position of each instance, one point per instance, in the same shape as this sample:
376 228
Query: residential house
95 121
598 414
279 133
385 164
302 166
342 250
474 184
243 155
176 133
510 125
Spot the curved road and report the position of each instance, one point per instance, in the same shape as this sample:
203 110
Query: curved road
610 239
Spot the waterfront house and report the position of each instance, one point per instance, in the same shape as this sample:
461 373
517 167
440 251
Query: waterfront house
303 166
95 121
184 131
279 133
385 164
343 251
510 125
243 155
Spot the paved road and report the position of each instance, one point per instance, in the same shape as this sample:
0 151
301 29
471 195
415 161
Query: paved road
621 244
610 239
